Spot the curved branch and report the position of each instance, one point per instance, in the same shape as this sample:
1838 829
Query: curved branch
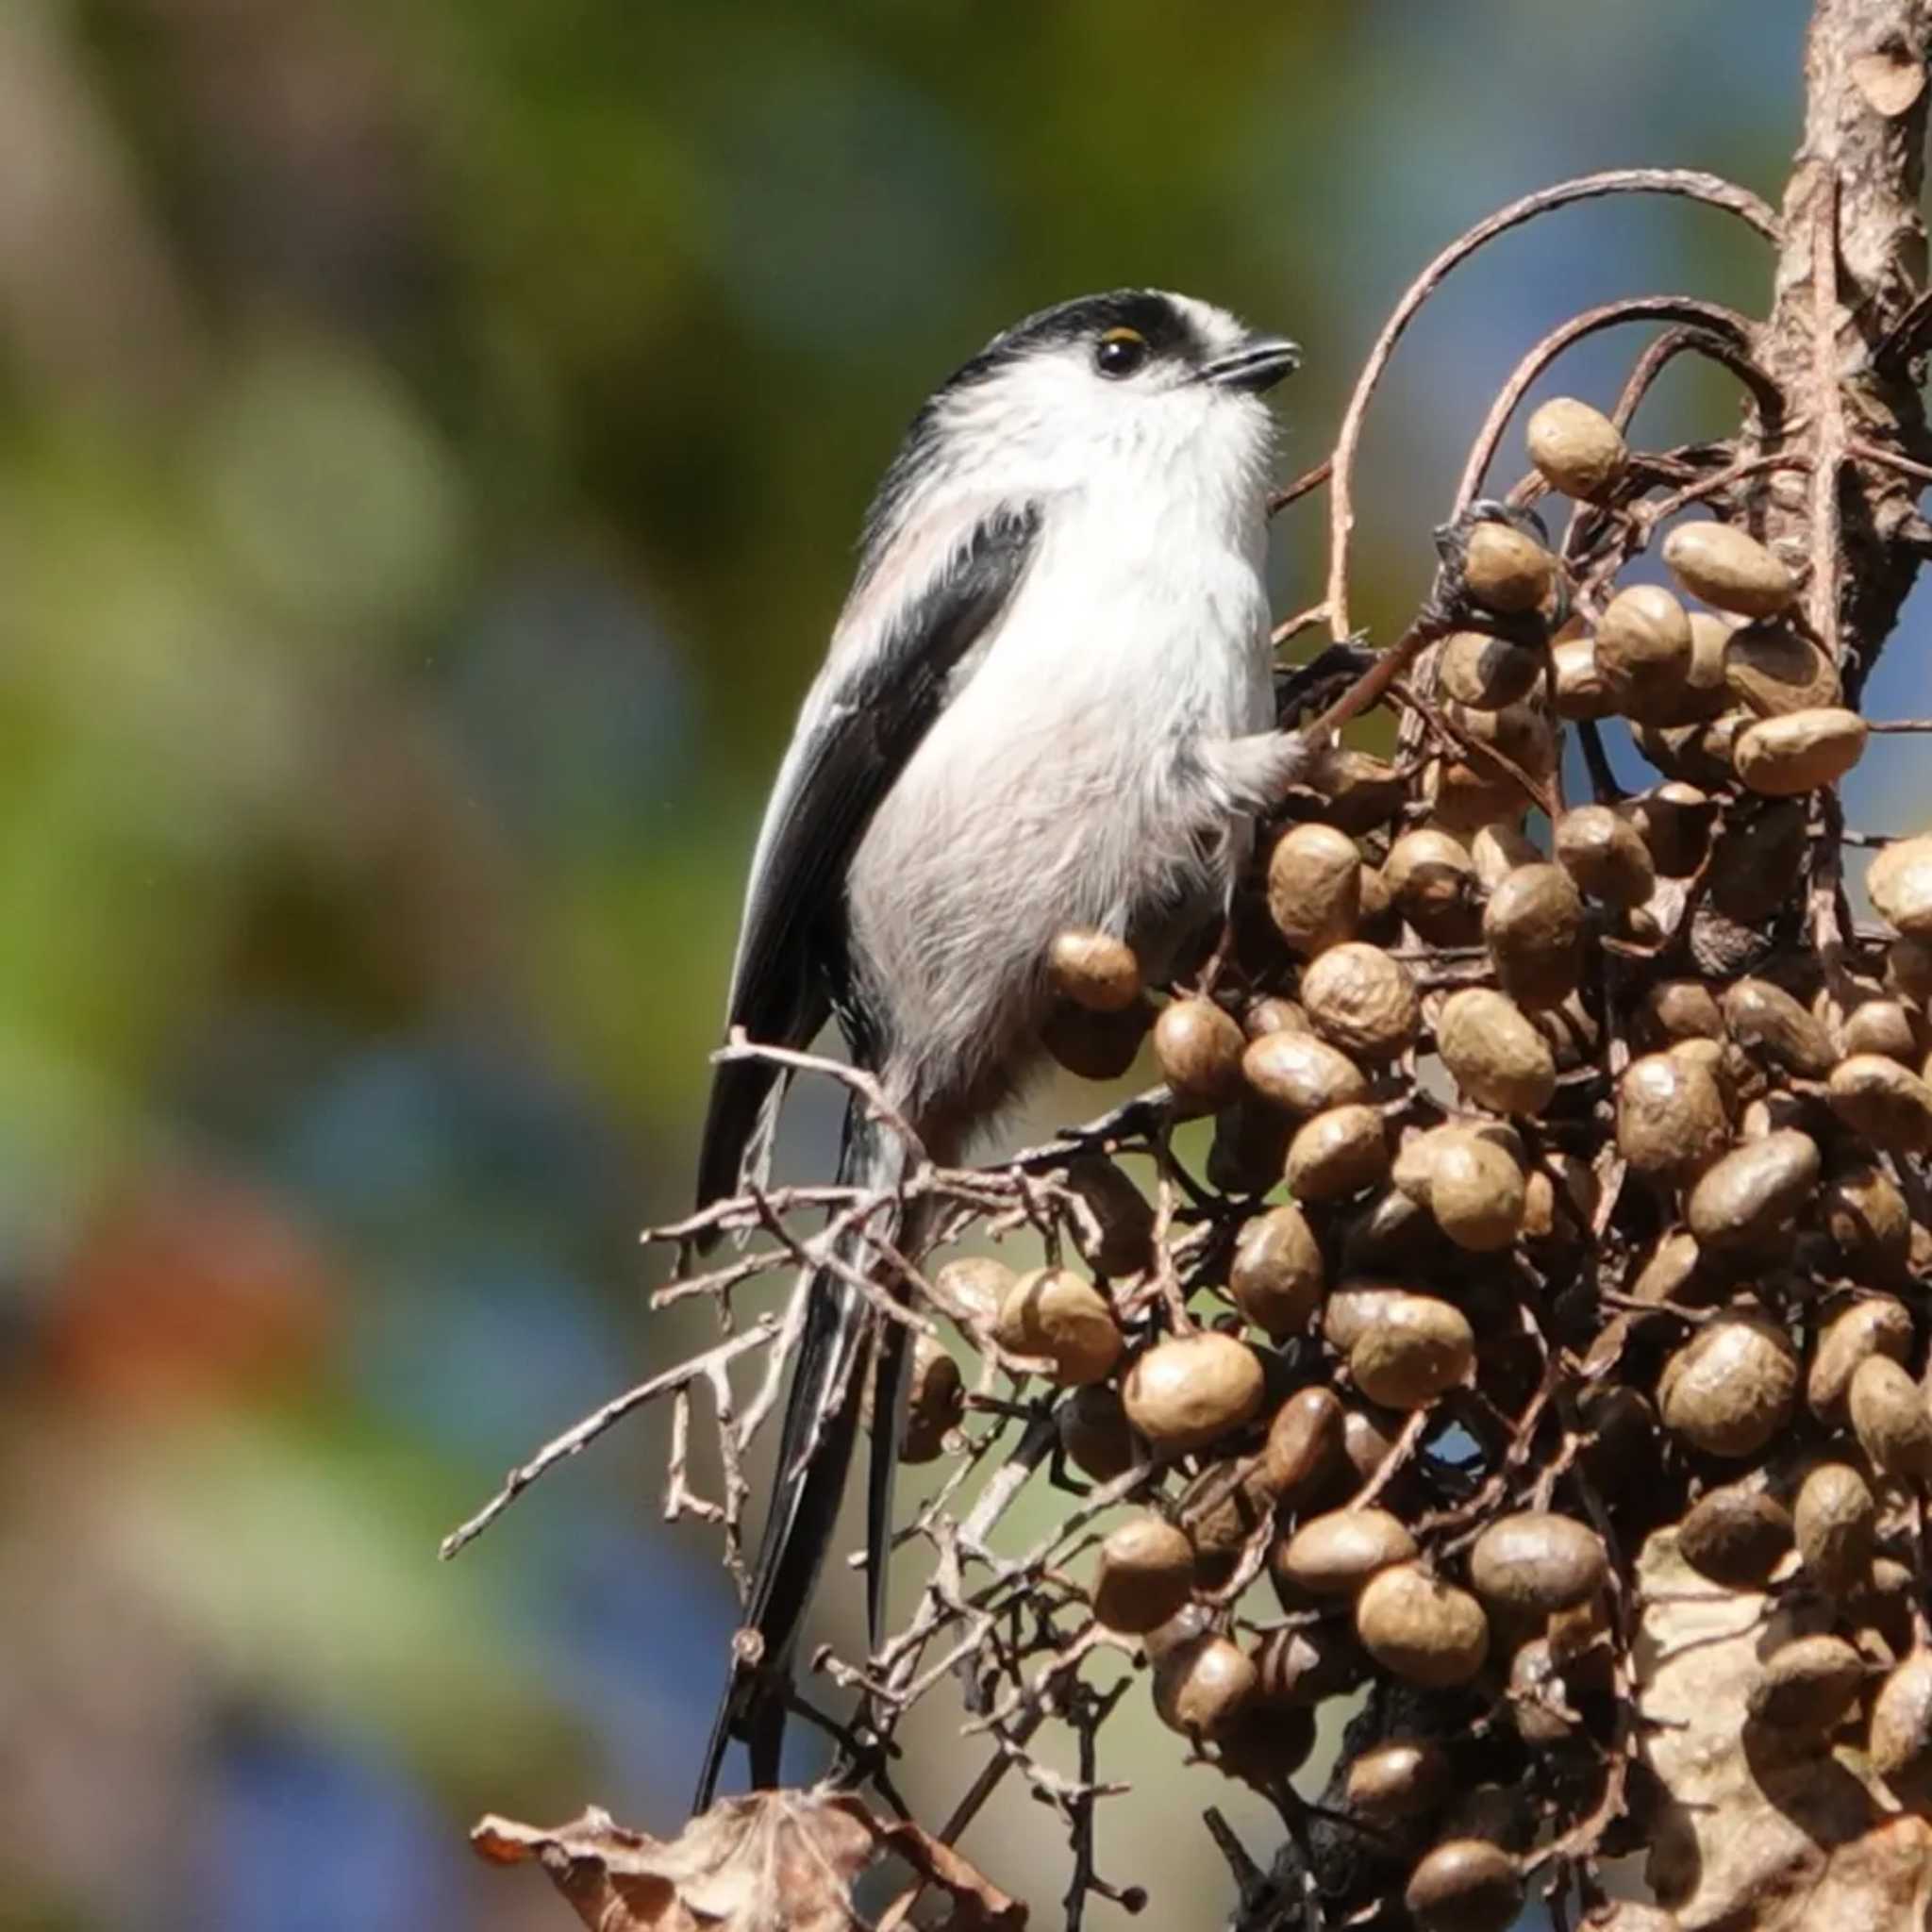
1689 182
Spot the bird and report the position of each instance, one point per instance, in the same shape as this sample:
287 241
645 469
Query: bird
1047 703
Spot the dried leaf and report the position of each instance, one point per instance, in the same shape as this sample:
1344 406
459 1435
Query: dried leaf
776 1862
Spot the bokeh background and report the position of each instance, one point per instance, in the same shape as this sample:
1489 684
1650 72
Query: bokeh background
431 439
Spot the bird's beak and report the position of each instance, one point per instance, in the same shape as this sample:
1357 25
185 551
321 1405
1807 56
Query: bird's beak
1260 363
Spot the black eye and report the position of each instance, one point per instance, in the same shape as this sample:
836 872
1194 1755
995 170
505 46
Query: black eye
1119 352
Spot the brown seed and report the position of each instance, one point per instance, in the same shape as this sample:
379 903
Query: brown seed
1868 1220
1835 1520
1301 1074
1533 927
1673 820
1065 1319
1368 1438
1464 1885
1314 887
1145 1574
1580 690
1416 1347
1096 1047
1798 752
1724 566
1199 1049
1094 1432
1497 851
1890 1420
1880 1025
1272 1014
1488 671
1199 1689
1507 571
1431 881
1873 1324
1187 1392
1807 1685
1124 1214
1276 1275
1602 851
1095 970
1736 1536
1900 883
1476 1192
1304 1445
1771 670
1336 1554
935 1402
1403 1777
1303 1667
1352 1309
1222 1510
1338 1152
1670 1115
1498 1059
976 1285
1362 1000
1748 1200
1885 1102
1682 1010
1760 1014
1731 1387
1706 695
1462 797
1363 791
1537 1562
1900 1740
1669 1273
1578 449
1643 654
1419 1628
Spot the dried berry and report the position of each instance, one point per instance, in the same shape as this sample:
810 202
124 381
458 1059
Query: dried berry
1507 571
1095 1434
1807 1685
1314 887
1736 1536
1431 882
1095 970
1891 1419
975 1285
1868 1223
1835 1520
1670 1115
1419 1628
1301 1074
1096 1047
1603 852
1675 821
1464 1885
1581 692
1488 671
1362 1000
1337 1554
1537 1561
1065 1319
1276 1275
935 1402
1122 1242
1643 654
1533 927
1403 1777
1771 670
1799 751
1873 1324
1748 1200
1187 1392
1900 1741
1578 449
1339 1152
1731 1387
1498 1059
1145 1574
1199 1689
1885 1102
1761 1015
1199 1049
1476 1191
1303 1444
1415 1347
1721 564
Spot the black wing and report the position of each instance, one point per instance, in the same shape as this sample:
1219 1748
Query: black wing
853 741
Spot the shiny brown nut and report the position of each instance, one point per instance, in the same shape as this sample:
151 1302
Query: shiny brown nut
1188 1392
1361 1000
1064 1319
1682 1010
1497 1057
1736 1536
1314 887
1868 1223
1145 1574
1603 852
1301 1074
1750 1198
1533 927
1201 1689
1363 791
1669 1273
1122 1238
1369 1436
1305 1666
1673 820
935 1402
1578 449
1887 1104
1276 1275
1580 691
1799 751
1507 571
1336 1554
1731 1387
1497 851
1096 1047
1352 1308
1304 1445
971 1287
1338 1152
1754 867
1272 1013
1095 1434
1729 568
1488 671
1772 670
1763 1016
1198 1048
1431 881
1835 1521
1419 1628
1873 1324
1888 1027
1900 883
1807 1685
1899 1744
1402 1777
1415 1347
1537 1561
1464 1885
1415 1166
1643 654
1670 1115
1891 1419
1476 1192
1095 970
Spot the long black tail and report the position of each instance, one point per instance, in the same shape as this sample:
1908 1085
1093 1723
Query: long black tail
822 1415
